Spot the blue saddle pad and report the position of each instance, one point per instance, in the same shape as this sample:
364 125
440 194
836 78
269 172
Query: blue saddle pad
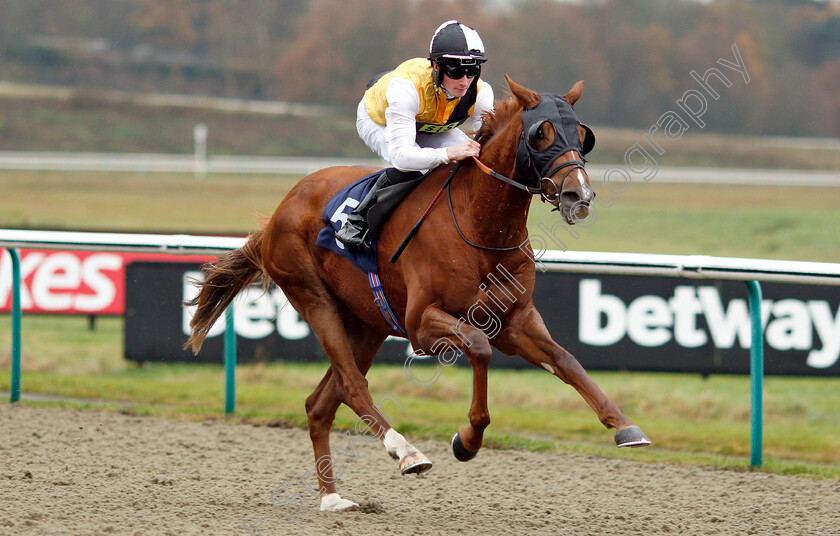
335 214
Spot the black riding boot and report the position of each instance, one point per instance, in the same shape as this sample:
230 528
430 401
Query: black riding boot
366 219
355 230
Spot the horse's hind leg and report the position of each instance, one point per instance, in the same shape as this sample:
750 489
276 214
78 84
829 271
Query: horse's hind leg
339 334
527 337
321 407
351 386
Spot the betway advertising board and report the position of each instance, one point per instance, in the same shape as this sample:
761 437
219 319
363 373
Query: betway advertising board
608 322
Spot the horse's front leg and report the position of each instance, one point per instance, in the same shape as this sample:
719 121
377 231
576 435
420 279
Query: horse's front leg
525 335
440 333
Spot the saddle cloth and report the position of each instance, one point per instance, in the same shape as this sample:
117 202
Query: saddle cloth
335 214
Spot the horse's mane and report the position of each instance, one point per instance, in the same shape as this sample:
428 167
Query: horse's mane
502 113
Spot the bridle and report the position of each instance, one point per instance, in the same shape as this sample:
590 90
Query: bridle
455 221
544 196
534 167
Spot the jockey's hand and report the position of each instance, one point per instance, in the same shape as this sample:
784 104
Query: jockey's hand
467 149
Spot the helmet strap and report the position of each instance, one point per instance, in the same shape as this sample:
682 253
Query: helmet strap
437 74
449 96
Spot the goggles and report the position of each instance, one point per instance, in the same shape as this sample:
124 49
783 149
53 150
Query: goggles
457 71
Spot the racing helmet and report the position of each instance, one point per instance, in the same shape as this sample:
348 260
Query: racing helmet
456 46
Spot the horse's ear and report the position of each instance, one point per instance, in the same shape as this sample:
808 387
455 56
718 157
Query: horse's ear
574 94
527 97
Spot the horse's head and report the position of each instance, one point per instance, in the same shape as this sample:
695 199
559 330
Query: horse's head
552 143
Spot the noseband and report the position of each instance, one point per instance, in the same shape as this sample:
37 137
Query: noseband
550 190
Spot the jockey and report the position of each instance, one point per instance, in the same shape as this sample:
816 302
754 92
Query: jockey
409 116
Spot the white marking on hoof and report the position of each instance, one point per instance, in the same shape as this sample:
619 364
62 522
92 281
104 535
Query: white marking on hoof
548 367
332 502
411 459
415 463
396 445
638 443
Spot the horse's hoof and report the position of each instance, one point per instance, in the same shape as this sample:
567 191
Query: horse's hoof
332 502
462 453
632 436
414 463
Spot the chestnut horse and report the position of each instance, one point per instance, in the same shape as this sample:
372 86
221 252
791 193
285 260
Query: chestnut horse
530 142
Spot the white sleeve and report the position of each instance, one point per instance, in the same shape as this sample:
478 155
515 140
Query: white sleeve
484 101
401 130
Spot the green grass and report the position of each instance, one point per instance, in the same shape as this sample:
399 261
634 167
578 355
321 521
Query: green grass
88 124
692 420
766 222
706 149
130 201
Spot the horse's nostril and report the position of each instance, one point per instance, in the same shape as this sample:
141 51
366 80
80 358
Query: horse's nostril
569 198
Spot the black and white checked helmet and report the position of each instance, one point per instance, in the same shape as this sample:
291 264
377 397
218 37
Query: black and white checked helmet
456 41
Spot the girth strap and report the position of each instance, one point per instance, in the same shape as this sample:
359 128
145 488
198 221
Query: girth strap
382 302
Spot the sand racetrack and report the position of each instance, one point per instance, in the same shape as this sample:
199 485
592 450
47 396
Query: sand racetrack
90 472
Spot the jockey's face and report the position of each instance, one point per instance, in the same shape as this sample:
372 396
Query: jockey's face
456 87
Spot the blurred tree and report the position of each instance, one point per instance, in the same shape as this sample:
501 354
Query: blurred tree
818 41
338 48
169 22
828 77
635 55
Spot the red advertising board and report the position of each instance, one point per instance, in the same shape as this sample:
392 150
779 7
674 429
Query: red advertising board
73 282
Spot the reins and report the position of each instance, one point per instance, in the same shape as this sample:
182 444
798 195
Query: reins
489 171
495 175
417 225
446 186
571 164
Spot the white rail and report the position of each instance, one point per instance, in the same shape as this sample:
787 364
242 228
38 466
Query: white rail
688 266
178 244
176 163
692 267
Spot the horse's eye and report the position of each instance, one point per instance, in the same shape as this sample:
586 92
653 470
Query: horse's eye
536 134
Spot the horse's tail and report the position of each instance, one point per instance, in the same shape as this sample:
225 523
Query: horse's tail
224 279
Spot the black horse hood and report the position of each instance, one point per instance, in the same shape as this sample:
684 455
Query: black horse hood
533 164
